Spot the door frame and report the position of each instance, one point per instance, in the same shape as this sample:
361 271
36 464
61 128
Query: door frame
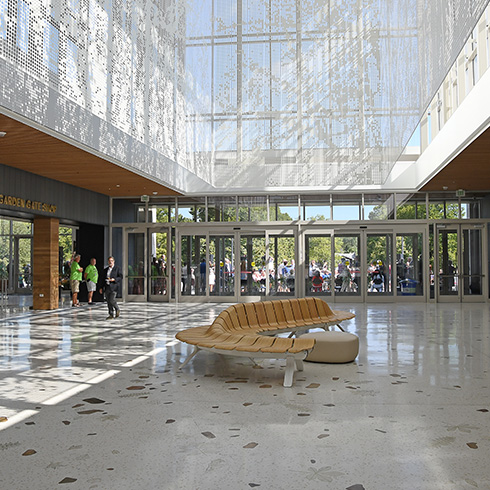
237 231
16 289
146 229
459 228
363 230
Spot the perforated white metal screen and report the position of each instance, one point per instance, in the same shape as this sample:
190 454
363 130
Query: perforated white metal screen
312 93
244 94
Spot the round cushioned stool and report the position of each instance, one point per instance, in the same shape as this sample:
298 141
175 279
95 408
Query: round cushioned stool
333 346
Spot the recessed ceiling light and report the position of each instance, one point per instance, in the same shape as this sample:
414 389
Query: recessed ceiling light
2 134
155 193
444 187
117 185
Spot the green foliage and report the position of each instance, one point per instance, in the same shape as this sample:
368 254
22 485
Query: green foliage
318 249
378 248
66 242
4 256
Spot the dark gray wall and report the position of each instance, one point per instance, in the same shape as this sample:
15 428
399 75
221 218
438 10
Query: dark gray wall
72 203
123 211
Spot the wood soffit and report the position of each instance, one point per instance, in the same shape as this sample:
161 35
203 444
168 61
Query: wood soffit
29 149
470 170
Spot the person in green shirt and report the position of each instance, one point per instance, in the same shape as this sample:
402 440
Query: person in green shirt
91 276
75 279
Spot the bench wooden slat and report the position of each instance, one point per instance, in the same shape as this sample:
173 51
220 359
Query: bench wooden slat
280 345
271 314
233 319
223 342
252 319
261 316
242 317
301 345
224 319
235 341
343 315
324 310
289 315
305 311
207 341
314 314
299 319
258 344
279 311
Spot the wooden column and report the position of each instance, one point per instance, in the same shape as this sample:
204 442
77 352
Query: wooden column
45 267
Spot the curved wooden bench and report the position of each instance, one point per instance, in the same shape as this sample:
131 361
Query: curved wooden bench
248 330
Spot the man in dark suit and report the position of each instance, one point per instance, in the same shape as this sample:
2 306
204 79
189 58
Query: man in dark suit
112 278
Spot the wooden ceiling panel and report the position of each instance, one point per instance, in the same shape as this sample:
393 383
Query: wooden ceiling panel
470 170
32 150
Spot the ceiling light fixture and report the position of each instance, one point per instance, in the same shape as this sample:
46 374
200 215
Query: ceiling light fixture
3 134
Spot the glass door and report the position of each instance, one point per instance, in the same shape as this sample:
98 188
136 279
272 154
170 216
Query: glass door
347 273
409 267
193 266
281 264
472 277
318 265
221 266
22 264
379 253
460 255
158 269
135 285
243 265
253 270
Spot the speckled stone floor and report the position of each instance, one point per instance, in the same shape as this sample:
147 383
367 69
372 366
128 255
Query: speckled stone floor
92 404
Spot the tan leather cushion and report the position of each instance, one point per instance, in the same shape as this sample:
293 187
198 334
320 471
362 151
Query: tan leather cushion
333 347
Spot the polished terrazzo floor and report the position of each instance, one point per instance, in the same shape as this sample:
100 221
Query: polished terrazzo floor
92 404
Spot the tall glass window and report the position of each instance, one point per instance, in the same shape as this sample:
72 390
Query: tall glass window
284 208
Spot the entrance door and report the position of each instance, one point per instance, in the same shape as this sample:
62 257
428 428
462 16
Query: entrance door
158 267
318 265
147 258
377 264
135 286
281 264
221 264
347 273
409 268
460 255
242 265
253 270
22 264
379 261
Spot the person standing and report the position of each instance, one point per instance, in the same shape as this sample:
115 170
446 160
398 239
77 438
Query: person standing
112 277
91 276
75 279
